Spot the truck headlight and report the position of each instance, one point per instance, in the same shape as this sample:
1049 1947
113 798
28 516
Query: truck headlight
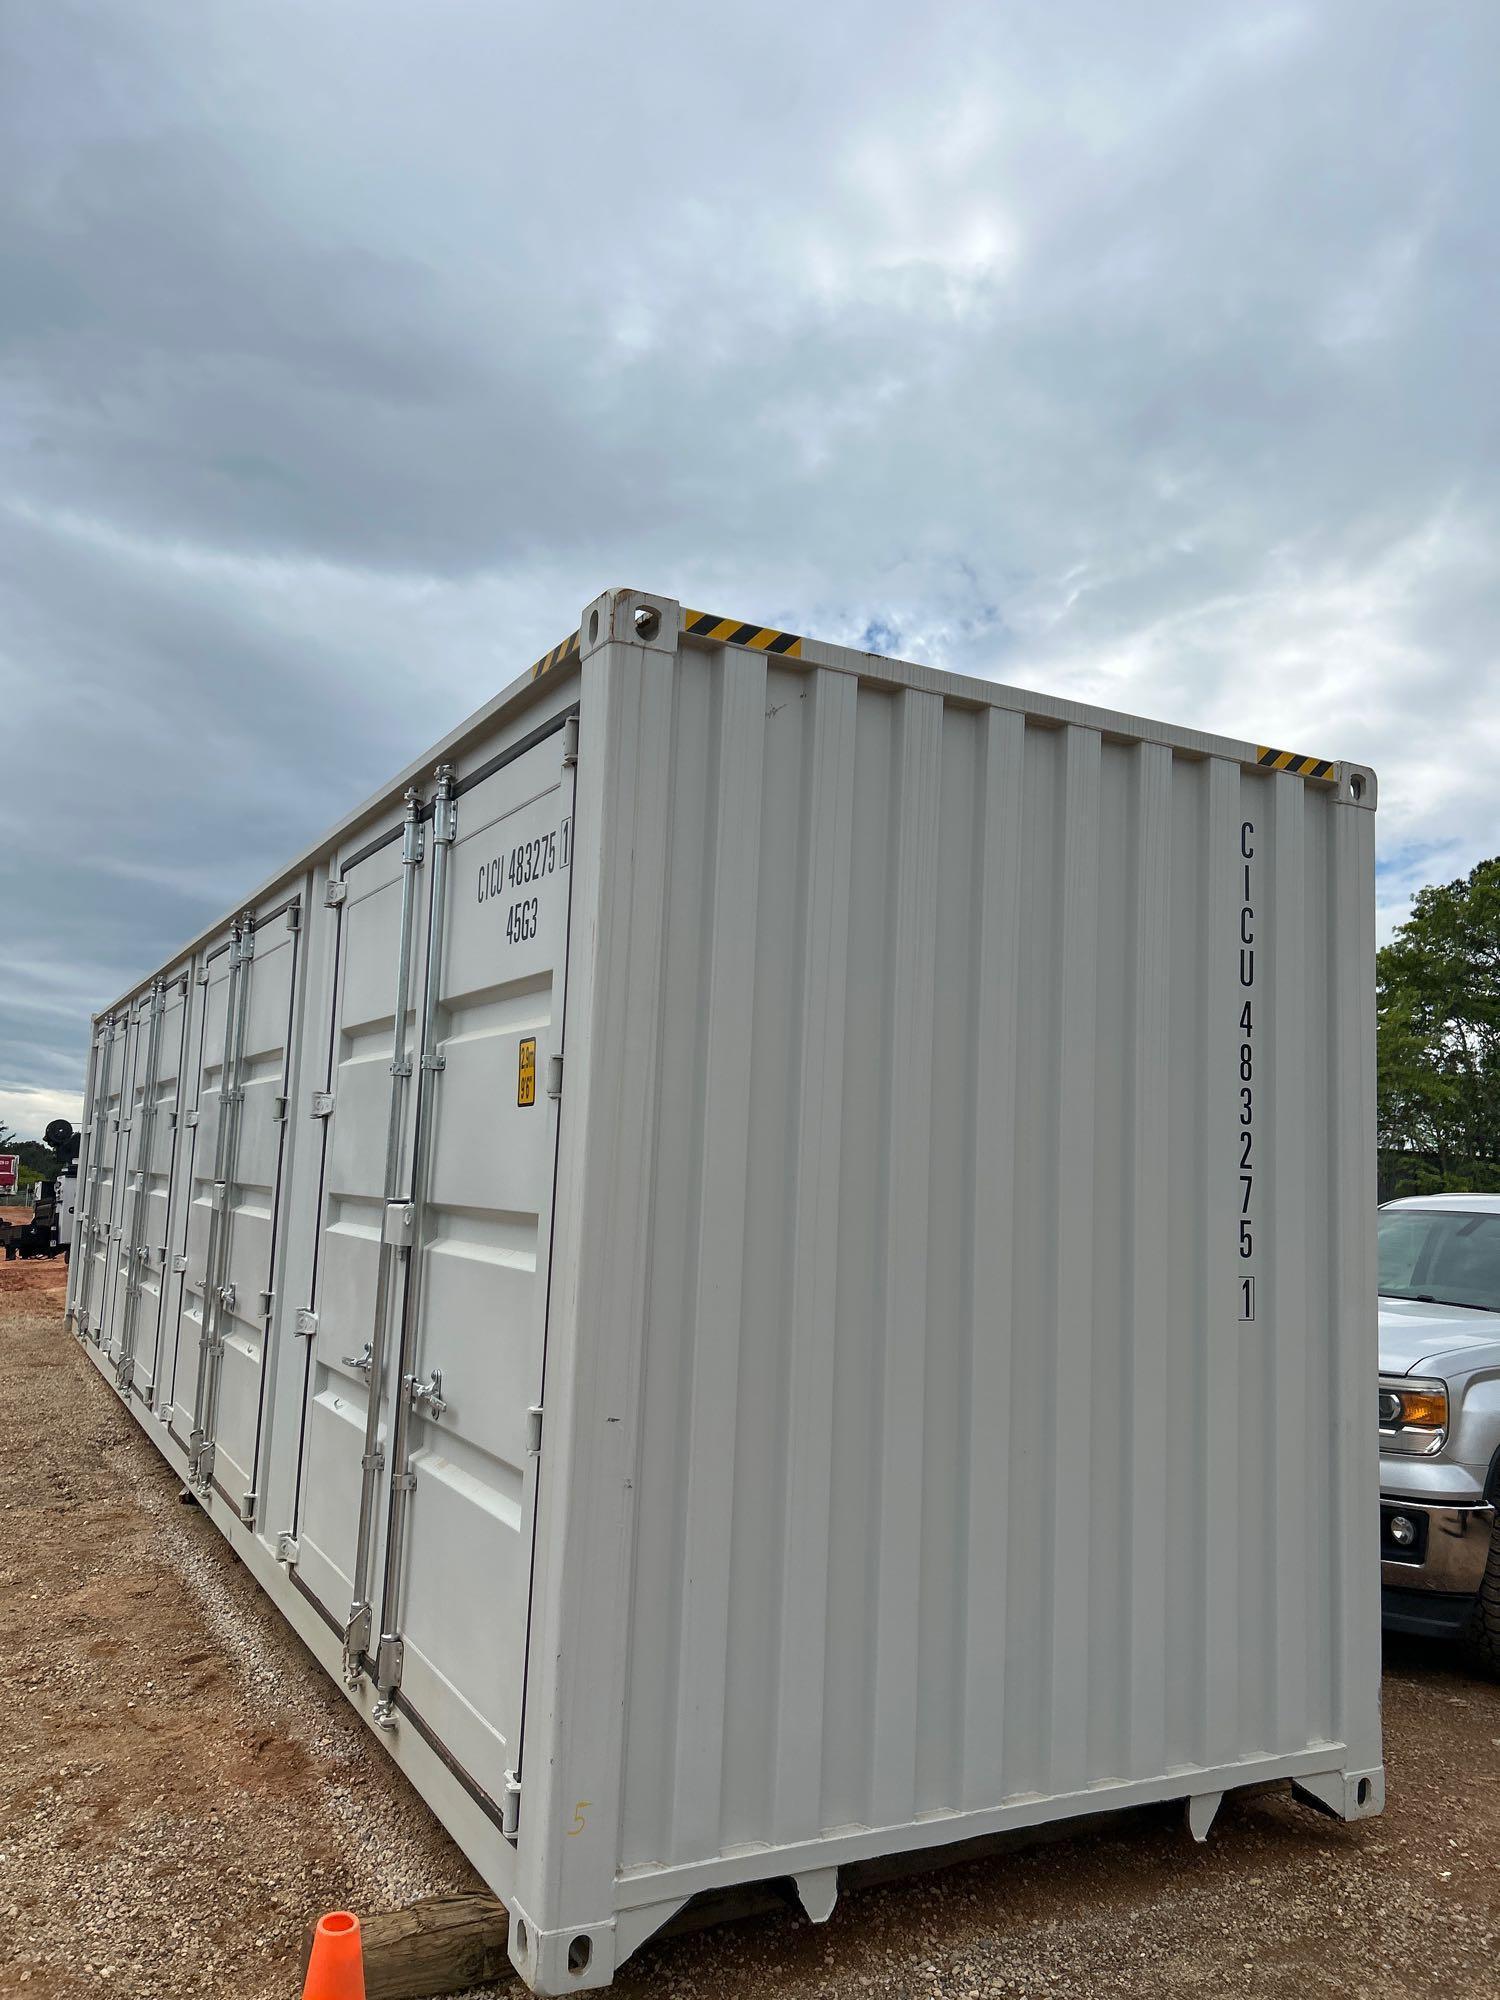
1413 1416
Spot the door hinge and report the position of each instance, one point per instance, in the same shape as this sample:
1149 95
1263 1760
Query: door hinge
554 1076
278 1110
267 1301
335 893
294 917
534 1430
570 741
322 1104
510 1805
247 1508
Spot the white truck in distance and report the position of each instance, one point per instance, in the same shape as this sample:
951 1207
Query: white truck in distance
1440 1419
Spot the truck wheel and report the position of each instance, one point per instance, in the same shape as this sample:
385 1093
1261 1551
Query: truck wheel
1482 1639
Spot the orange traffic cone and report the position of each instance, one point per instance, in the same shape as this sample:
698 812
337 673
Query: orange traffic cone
336 1964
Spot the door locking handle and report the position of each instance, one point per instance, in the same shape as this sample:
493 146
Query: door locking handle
361 1363
428 1394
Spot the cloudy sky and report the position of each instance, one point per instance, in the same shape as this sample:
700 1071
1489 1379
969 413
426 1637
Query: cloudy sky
1146 354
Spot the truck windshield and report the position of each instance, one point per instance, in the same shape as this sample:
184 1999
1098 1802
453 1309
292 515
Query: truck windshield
1442 1256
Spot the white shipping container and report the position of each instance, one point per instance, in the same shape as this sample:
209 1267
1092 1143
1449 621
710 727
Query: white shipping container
771 1254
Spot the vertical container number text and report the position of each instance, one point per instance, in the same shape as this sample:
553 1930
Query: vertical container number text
1245 1284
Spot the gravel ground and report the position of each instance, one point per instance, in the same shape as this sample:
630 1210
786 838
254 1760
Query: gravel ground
180 1787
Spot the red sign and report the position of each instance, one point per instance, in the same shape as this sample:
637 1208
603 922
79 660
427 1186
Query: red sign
8 1165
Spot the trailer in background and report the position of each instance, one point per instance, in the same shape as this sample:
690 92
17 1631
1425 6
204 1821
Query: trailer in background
31 1229
44 1228
769 1255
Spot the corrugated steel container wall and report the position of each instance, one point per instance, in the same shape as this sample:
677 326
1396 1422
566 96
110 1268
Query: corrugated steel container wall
958 1313
961 1477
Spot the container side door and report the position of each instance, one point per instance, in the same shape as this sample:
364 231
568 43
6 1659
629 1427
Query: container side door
457 1580
203 1147
137 1274
113 1204
72 1214
351 1225
252 1205
164 1150
93 1236
134 1131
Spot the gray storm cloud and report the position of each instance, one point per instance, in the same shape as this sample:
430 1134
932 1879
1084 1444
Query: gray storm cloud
1145 355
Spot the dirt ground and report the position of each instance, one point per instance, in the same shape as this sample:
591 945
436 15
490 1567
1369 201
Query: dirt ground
180 1786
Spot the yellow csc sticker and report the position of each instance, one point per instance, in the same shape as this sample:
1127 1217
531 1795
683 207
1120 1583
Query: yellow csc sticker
526 1079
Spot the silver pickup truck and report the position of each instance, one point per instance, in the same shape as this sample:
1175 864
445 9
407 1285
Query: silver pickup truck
1440 1419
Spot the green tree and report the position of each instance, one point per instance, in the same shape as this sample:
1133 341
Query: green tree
1439 1047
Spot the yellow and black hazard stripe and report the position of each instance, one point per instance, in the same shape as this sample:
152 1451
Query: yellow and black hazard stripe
567 650
1288 760
730 632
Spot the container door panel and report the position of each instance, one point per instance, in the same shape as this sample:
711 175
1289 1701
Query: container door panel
458 1601
162 1153
254 1182
137 1279
197 1229
114 1202
127 1169
123 1190
349 1248
89 1249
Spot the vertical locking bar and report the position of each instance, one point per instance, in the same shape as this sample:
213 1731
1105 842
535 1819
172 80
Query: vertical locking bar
125 1365
357 1632
388 1656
